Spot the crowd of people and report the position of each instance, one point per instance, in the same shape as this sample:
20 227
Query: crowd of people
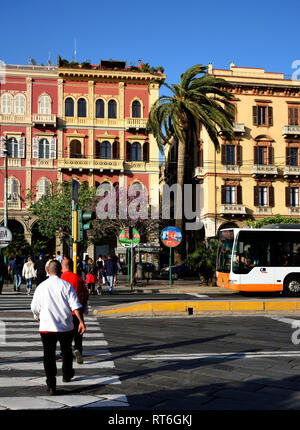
96 275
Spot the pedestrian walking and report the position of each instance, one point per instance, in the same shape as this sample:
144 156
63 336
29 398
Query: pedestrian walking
28 274
110 268
15 267
3 272
52 305
39 267
82 294
90 276
99 264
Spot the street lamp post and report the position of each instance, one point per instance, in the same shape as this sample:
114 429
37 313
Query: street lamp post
4 150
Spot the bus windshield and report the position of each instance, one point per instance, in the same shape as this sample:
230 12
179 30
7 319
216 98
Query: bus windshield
265 248
225 246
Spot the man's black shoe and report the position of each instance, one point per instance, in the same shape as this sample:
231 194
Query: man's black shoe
68 378
51 390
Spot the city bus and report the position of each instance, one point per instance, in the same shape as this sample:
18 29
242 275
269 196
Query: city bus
265 259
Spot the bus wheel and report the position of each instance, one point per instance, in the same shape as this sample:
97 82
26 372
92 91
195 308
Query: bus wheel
292 286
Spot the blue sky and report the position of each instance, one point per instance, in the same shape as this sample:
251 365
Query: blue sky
170 33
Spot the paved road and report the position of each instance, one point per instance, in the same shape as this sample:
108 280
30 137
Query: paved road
176 364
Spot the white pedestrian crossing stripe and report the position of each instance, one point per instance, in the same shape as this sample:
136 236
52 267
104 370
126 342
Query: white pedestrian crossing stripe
22 352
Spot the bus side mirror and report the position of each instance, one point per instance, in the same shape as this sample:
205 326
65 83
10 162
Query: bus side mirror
241 247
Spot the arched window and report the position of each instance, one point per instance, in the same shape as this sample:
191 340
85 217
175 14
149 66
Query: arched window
112 109
12 148
116 150
44 148
136 109
20 104
6 104
136 151
99 108
45 104
42 187
69 107
81 108
75 149
105 150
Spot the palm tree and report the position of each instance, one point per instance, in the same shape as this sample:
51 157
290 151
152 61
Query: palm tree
199 100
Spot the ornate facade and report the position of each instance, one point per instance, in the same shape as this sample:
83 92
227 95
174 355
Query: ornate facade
65 123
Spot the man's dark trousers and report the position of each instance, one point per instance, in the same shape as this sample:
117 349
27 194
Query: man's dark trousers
49 343
77 336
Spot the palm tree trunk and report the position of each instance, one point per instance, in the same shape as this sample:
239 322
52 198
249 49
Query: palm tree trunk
179 251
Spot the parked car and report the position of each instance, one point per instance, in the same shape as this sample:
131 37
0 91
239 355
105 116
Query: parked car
147 267
179 271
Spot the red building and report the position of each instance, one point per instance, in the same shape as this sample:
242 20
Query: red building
75 122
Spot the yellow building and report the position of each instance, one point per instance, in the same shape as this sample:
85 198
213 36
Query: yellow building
257 174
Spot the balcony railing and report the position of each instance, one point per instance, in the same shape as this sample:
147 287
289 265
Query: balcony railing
14 118
291 171
90 163
230 168
135 123
199 172
264 169
291 131
239 127
44 119
233 209
294 210
263 210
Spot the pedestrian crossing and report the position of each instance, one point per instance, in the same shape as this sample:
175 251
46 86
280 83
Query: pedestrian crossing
22 378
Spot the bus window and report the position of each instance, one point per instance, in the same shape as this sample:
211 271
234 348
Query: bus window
256 251
224 251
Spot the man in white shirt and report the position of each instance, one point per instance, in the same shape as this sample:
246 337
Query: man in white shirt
52 305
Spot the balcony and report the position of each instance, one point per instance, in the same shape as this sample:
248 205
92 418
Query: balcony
291 131
11 118
239 127
90 164
293 171
294 210
263 210
136 123
233 209
230 168
43 119
199 172
264 170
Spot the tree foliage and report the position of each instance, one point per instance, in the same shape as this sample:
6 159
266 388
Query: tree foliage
277 219
54 209
204 260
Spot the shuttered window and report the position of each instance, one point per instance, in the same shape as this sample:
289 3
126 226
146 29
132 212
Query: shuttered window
81 105
6 104
262 115
263 196
292 196
105 150
136 151
42 188
44 148
45 104
13 189
292 156
19 104
293 113
12 148
69 107
116 150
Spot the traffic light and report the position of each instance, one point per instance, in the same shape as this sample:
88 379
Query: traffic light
80 226
87 217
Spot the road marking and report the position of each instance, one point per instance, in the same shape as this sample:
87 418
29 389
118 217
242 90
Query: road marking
294 323
64 401
216 356
24 365
30 344
39 354
32 335
87 380
200 296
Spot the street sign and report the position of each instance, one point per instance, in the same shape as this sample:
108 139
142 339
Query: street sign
5 237
171 236
126 241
